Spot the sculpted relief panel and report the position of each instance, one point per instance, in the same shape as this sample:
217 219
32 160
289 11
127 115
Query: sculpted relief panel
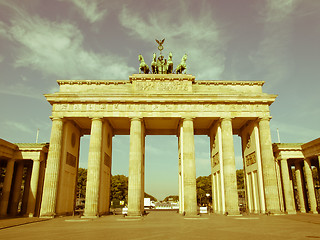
162 86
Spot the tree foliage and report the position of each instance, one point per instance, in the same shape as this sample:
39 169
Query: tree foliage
173 198
240 179
204 187
119 188
152 198
82 182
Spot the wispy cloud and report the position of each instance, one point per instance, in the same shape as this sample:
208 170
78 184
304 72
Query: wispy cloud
90 9
18 126
207 59
22 90
56 49
291 131
278 11
272 59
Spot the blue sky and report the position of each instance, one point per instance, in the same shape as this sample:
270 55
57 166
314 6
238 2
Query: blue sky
277 41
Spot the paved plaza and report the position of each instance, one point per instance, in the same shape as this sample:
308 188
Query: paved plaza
166 225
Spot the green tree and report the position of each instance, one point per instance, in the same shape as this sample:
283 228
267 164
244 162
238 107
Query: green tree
174 198
82 182
119 188
204 187
240 179
152 198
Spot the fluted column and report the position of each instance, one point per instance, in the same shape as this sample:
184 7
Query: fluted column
268 167
229 167
50 189
6 187
26 190
189 168
255 192
16 190
135 168
33 188
94 163
287 187
310 185
300 187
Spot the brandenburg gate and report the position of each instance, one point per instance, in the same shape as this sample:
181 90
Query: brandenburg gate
160 104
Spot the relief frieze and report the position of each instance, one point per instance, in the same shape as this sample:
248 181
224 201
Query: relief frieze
251 159
162 86
153 107
215 160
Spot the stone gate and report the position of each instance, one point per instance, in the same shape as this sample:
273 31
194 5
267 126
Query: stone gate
160 104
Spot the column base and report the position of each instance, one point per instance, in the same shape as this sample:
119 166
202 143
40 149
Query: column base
134 214
191 214
90 216
133 217
292 212
47 216
232 213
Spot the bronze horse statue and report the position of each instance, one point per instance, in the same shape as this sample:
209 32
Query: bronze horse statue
182 66
170 64
143 66
154 68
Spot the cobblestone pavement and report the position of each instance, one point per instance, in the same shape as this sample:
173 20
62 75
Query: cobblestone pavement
166 225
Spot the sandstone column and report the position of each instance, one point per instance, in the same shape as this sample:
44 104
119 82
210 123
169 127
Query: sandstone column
16 190
214 193
300 188
94 163
268 167
6 187
26 190
249 192
255 192
310 185
33 188
287 187
50 189
219 193
189 168
229 167
135 168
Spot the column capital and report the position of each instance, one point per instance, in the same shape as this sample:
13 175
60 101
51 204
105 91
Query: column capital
282 159
226 119
264 118
136 119
57 118
187 118
96 119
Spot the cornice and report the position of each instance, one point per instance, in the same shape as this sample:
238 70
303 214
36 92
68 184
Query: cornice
92 82
153 98
229 82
